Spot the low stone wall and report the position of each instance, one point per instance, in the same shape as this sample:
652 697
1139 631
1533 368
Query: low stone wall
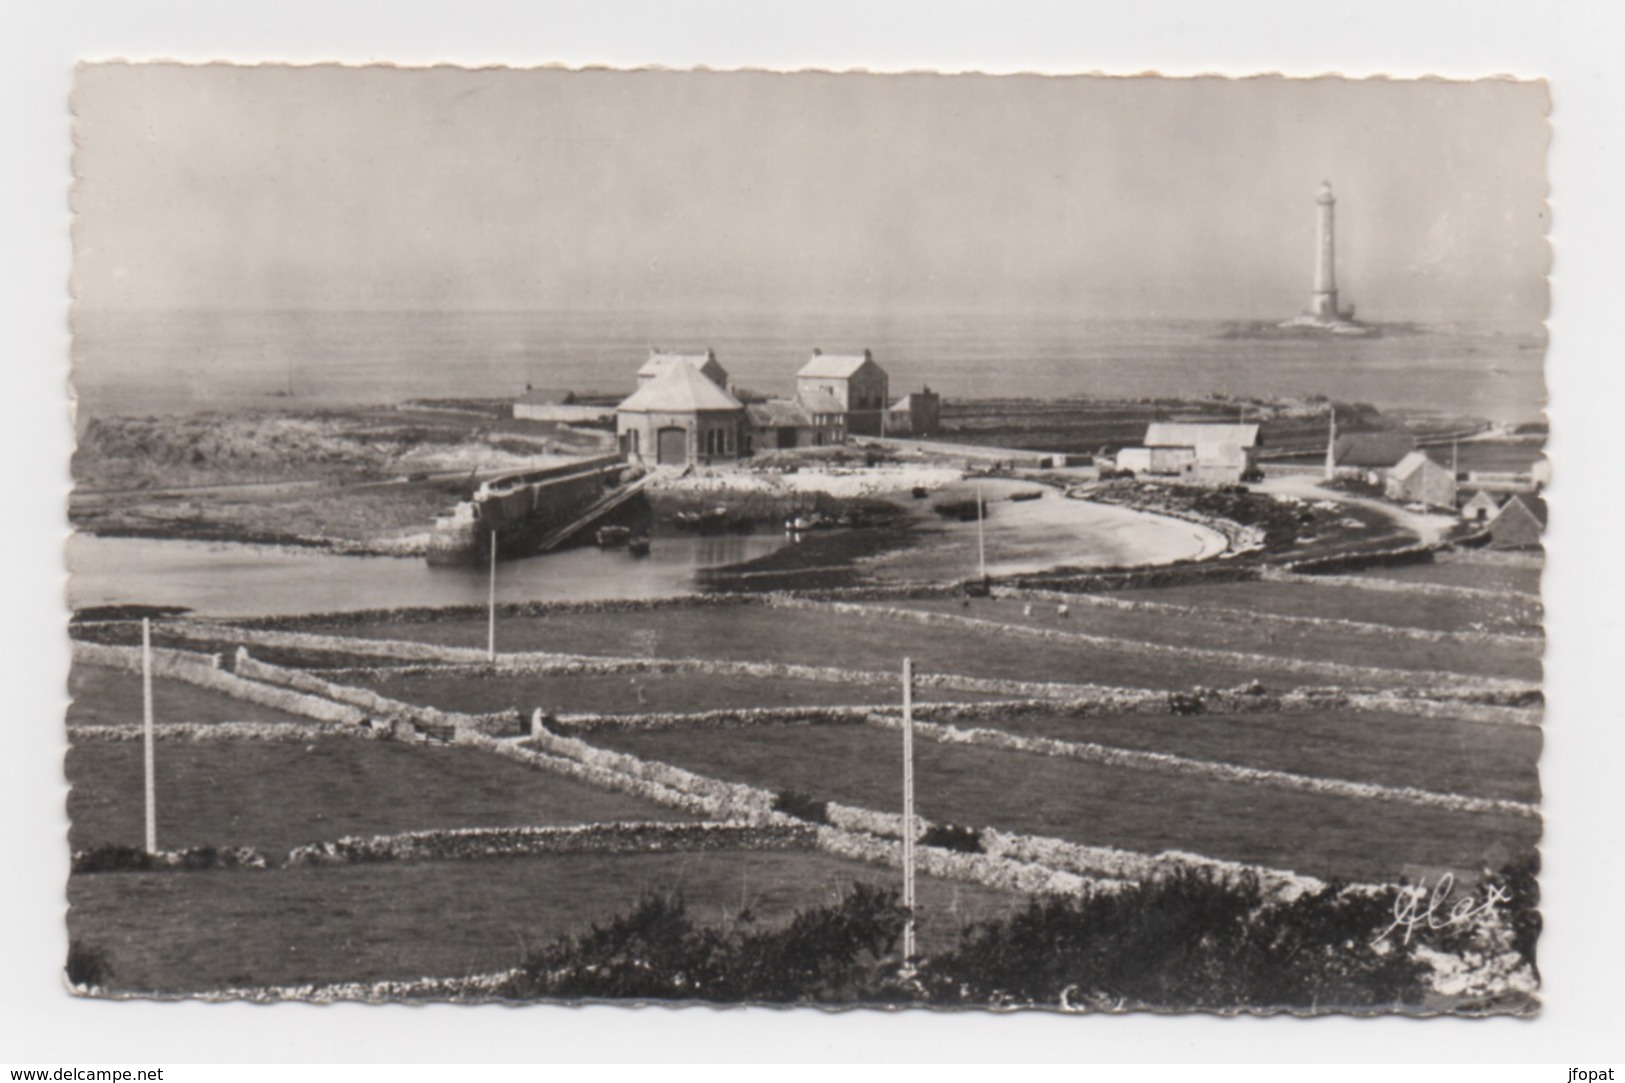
441 724
1333 670
1162 762
1177 575
648 837
1399 586
426 614
180 665
720 719
166 662
1210 613
201 732
1376 558
726 800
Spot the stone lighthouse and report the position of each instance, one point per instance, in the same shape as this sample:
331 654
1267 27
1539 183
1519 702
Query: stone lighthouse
1324 302
1325 314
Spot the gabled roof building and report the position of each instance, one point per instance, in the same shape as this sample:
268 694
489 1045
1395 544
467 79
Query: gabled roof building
1519 524
661 360
1417 479
1196 451
679 416
855 381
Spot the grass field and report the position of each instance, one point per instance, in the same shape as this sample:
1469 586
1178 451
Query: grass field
754 633
275 795
1441 755
1484 576
188 932
620 693
1216 631
1302 599
105 696
1135 810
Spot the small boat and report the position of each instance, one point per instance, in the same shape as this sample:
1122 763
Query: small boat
638 545
1027 494
920 492
611 536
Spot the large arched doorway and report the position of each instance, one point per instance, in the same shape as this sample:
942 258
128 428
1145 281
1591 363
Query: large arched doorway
672 447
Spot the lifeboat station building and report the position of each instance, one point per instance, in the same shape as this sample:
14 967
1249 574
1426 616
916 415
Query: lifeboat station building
679 416
683 412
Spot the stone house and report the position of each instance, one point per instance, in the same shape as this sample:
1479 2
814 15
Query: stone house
680 417
1417 479
855 382
1201 452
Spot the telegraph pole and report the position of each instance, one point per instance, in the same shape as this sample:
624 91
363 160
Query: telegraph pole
908 815
491 606
981 542
146 728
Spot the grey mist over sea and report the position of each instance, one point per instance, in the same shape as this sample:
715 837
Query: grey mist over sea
174 362
371 234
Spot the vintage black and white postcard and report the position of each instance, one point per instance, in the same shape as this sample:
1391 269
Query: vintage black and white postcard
913 540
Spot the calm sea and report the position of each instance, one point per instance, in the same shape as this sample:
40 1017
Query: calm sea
171 362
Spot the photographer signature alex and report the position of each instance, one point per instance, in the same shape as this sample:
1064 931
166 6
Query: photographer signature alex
1421 908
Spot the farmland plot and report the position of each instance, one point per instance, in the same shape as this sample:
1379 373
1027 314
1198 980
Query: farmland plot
191 932
1323 835
1440 755
1307 598
826 638
277 795
104 696
1235 632
1482 575
635 693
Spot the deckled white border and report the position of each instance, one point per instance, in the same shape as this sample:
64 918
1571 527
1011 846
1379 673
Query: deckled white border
1569 41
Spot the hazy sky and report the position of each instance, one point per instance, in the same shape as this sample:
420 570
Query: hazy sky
327 187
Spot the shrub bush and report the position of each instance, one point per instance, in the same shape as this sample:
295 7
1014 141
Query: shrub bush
116 857
801 806
88 965
1183 940
840 953
965 840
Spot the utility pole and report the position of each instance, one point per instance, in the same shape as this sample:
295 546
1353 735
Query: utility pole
981 541
146 728
908 815
491 606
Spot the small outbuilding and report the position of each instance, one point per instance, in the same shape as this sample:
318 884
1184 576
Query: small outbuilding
782 424
918 413
1479 508
556 405
1417 479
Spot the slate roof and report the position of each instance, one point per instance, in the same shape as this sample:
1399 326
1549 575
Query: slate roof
1534 506
832 366
820 402
1411 464
778 414
1372 449
680 389
660 360
1200 435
